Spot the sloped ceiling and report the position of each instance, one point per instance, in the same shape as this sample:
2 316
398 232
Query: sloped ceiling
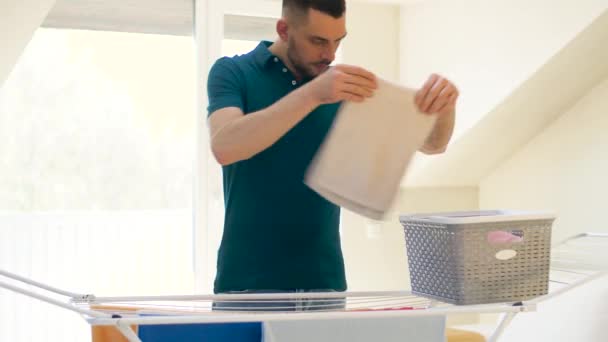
19 19
141 16
547 94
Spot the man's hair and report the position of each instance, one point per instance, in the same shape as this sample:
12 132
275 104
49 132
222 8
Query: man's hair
334 8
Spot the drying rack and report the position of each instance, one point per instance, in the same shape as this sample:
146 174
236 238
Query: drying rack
574 262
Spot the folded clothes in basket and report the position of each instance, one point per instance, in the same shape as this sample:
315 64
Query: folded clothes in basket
500 236
361 163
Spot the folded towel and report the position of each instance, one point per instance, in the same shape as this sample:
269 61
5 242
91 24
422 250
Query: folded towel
361 163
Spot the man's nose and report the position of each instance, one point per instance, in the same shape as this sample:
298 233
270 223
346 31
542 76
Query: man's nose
328 54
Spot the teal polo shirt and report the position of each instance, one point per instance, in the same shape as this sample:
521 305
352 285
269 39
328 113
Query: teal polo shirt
278 233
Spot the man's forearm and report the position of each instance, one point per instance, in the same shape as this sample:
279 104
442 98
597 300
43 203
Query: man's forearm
439 138
251 134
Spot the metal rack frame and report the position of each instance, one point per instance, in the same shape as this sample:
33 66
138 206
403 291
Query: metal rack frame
570 268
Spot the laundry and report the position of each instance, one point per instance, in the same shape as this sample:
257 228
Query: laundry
365 155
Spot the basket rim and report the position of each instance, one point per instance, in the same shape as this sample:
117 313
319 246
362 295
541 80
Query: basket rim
477 216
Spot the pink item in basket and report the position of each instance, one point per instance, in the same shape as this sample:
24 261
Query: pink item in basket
500 236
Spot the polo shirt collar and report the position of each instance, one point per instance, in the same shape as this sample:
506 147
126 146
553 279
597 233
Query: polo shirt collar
263 56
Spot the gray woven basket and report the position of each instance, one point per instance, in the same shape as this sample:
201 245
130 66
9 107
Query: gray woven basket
452 259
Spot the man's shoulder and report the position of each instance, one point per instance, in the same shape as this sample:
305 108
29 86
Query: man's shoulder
225 63
237 66
236 61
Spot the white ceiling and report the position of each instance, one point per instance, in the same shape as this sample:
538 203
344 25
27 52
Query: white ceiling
546 95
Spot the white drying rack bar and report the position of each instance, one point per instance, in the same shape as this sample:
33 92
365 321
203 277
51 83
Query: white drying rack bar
575 261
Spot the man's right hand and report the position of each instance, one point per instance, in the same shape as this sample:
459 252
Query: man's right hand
343 83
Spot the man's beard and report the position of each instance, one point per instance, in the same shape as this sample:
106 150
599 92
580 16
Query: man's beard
305 71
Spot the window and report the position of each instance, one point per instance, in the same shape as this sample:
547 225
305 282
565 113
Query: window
97 138
232 47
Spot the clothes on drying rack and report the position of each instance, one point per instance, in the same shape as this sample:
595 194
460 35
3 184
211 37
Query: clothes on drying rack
300 304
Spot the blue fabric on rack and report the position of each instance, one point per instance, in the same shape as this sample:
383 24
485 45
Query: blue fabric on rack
209 332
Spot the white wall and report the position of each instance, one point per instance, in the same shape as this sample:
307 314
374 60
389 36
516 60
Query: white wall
18 21
373 44
370 263
563 169
487 55
487 47
375 251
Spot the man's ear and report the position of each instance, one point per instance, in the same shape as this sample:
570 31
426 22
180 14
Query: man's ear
282 27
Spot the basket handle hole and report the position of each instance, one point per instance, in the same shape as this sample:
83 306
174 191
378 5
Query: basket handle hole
506 254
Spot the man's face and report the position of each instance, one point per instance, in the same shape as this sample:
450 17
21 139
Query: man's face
313 42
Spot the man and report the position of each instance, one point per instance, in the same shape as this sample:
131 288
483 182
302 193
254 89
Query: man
269 111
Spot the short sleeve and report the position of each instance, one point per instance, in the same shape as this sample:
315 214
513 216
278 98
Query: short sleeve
224 86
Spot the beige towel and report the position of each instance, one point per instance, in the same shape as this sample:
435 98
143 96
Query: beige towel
361 163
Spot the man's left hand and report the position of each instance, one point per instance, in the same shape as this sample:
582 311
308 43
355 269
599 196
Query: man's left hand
437 96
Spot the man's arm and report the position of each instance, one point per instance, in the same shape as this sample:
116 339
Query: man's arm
236 136
438 97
